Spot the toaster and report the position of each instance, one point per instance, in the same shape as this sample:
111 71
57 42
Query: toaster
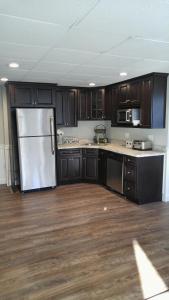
142 145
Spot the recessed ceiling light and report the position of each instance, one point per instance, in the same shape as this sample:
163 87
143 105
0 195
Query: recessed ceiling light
123 74
92 84
4 79
14 65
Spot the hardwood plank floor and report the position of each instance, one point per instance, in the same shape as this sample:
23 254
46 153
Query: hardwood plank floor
75 243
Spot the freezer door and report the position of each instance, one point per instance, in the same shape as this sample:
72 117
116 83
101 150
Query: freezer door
35 121
37 163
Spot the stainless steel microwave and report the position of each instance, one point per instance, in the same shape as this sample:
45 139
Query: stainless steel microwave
128 116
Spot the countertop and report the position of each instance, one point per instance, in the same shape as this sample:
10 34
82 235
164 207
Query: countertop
114 148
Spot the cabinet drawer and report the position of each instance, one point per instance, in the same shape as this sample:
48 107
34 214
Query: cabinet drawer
130 172
130 160
90 152
68 152
130 190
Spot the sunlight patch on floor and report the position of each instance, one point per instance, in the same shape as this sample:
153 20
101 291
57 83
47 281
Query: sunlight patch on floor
151 282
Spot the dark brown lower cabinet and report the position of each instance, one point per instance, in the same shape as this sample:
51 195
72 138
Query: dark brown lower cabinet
70 166
90 165
143 178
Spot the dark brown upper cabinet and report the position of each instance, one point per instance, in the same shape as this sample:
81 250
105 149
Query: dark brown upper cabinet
30 95
153 101
123 94
66 107
114 99
98 103
134 93
84 104
21 95
44 95
91 104
129 94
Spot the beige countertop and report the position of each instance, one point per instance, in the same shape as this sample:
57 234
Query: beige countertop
114 148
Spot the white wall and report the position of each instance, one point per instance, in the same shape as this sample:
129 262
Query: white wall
4 141
2 145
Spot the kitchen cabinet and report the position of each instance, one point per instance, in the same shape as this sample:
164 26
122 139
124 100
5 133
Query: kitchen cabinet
90 165
114 99
91 104
102 167
146 92
123 94
153 101
30 95
98 100
66 107
44 95
84 104
75 165
134 173
130 93
70 165
143 178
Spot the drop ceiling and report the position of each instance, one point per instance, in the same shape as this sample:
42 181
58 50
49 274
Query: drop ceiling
74 42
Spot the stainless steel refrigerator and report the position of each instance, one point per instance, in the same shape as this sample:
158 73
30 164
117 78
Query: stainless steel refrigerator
36 146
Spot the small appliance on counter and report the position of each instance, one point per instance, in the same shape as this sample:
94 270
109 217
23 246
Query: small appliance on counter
100 135
142 145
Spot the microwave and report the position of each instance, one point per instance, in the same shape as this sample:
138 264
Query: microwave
128 116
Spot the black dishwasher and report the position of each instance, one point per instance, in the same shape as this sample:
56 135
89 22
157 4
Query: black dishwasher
114 178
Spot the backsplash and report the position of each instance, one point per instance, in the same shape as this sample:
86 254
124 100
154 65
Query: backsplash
157 136
85 130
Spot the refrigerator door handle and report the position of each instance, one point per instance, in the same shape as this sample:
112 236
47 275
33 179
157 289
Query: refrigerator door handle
52 135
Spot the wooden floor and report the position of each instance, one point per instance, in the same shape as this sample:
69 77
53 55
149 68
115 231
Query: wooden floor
75 243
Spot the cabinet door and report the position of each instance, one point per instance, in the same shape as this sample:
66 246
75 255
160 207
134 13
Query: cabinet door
44 96
108 103
123 94
145 104
71 108
90 168
98 108
60 108
84 104
102 167
114 99
74 168
70 169
135 92
21 95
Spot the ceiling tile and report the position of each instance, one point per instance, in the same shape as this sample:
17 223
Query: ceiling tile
26 32
129 18
61 11
90 39
70 56
54 67
23 64
116 62
16 75
93 70
143 49
19 51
